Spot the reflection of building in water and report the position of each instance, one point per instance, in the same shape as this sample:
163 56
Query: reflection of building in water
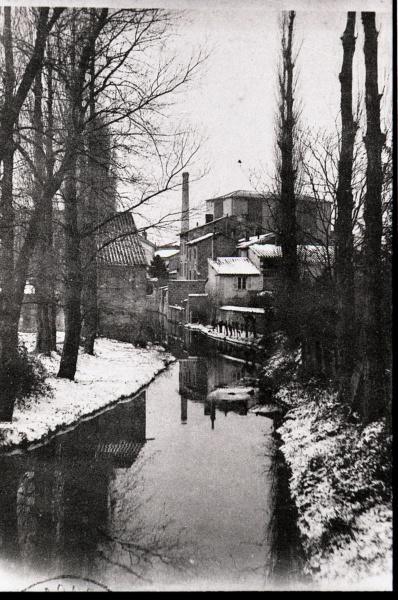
184 409
54 501
225 371
193 378
210 409
198 376
237 406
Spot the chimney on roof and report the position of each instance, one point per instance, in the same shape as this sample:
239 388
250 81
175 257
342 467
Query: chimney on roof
185 203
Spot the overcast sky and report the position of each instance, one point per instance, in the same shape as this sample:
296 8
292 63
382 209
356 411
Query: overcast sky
234 100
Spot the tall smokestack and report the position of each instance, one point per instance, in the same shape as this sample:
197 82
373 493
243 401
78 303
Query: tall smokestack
185 203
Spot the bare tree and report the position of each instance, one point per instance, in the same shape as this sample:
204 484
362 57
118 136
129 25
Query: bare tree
13 271
83 42
344 224
374 393
129 107
287 171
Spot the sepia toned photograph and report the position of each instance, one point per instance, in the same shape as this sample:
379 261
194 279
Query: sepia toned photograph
196 240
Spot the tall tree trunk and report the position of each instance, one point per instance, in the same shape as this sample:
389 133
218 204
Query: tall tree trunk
288 217
89 297
73 263
346 330
44 250
374 360
50 162
13 276
8 314
73 281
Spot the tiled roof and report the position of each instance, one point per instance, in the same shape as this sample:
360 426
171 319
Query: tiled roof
233 266
310 254
266 250
118 242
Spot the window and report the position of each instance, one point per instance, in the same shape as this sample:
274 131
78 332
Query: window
242 283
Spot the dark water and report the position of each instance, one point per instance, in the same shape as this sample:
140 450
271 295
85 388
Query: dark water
166 491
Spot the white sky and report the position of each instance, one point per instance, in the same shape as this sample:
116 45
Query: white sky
234 100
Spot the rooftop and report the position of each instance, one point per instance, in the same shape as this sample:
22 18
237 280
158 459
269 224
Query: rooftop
248 194
166 252
200 239
266 250
240 194
244 309
255 239
233 266
307 253
205 224
118 242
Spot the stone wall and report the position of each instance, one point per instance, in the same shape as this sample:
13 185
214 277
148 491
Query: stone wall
180 288
122 302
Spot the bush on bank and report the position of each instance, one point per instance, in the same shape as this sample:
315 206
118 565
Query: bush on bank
340 477
27 376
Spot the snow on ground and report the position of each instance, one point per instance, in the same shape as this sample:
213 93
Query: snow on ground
118 370
338 483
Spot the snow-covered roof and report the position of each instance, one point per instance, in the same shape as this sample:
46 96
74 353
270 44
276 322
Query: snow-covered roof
166 252
255 239
308 253
200 239
266 250
244 309
233 266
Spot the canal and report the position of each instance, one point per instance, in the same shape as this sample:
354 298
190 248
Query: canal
167 491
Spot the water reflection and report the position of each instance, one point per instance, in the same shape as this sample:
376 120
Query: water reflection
199 376
54 505
188 510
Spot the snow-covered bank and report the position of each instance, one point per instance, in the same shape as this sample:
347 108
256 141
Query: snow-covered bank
340 482
118 370
338 486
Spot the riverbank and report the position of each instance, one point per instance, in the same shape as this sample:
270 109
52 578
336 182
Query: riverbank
118 370
340 482
213 333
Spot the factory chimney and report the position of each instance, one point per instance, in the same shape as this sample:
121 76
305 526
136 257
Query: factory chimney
185 203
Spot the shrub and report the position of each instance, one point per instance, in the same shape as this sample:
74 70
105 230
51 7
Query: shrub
28 376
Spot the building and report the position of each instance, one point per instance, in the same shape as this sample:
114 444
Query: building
259 213
121 276
148 247
243 214
233 280
210 240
